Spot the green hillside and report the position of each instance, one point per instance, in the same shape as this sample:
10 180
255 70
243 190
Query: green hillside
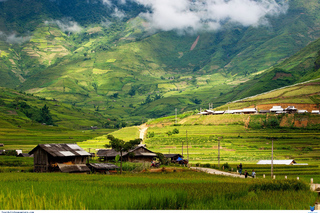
81 54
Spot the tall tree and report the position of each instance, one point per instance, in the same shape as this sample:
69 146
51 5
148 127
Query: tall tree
121 146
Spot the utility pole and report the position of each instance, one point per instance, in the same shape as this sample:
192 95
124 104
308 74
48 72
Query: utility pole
176 115
272 159
187 145
182 148
218 153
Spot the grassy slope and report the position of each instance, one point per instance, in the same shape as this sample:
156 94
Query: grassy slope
17 131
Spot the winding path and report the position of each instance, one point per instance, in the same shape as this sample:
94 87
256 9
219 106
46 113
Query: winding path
217 172
143 131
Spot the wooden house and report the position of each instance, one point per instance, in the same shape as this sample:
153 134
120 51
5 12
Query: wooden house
63 157
137 154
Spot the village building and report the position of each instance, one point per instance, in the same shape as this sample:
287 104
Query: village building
24 155
302 111
219 112
249 111
276 109
264 111
137 154
315 112
276 162
172 157
59 157
291 110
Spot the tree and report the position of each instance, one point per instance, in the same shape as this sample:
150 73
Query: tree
121 146
45 116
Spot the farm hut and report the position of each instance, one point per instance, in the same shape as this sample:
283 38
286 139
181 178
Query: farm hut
18 151
219 112
209 112
24 155
275 109
249 111
238 111
277 162
173 157
102 167
302 111
139 153
264 111
55 157
291 110
315 112
1 145
2 152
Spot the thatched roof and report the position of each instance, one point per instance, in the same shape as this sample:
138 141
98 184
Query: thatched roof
61 150
103 166
75 168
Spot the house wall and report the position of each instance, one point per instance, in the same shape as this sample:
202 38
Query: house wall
41 163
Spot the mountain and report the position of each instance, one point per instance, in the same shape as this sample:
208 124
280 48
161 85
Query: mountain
102 56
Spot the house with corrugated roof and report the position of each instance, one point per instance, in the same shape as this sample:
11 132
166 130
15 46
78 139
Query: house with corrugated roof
276 109
137 154
60 157
277 162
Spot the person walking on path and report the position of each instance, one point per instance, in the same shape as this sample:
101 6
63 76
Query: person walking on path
245 174
240 168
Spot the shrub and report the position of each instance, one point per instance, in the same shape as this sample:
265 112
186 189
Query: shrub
175 131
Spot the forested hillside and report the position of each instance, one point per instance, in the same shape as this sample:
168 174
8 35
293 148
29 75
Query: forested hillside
117 58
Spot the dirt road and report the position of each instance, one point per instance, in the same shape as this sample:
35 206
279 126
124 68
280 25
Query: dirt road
217 172
143 131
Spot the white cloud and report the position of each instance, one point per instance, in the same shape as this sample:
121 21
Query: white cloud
118 14
66 25
14 39
209 14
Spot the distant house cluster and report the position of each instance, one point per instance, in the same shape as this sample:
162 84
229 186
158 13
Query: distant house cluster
274 110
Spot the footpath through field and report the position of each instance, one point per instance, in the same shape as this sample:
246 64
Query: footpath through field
217 172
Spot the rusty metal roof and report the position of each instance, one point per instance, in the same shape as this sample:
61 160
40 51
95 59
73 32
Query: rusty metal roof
104 166
75 168
62 150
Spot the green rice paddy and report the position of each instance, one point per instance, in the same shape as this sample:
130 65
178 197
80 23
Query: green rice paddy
149 191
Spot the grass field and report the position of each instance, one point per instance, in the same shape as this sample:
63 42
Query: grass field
238 143
149 191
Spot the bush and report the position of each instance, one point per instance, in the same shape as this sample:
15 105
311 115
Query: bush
226 166
175 131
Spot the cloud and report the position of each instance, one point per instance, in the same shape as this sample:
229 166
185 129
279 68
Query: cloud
66 25
118 14
210 14
13 38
